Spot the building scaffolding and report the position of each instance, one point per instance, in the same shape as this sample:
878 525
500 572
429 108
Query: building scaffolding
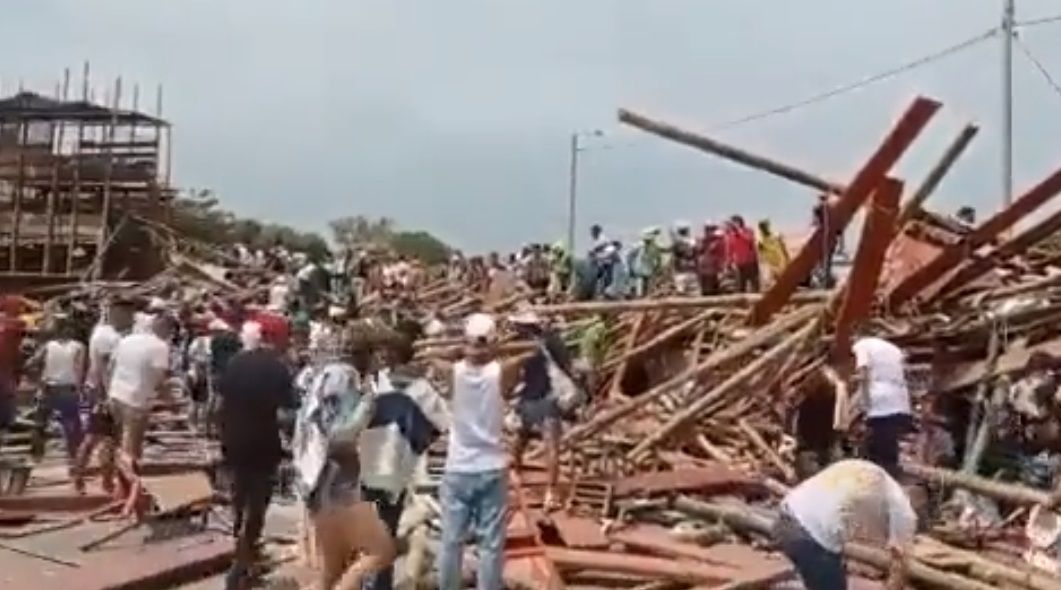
74 178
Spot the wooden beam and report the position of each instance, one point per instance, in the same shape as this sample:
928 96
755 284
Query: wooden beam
734 154
902 135
737 350
1019 244
877 233
952 255
928 186
664 303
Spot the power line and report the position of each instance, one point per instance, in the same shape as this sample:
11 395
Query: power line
824 96
861 83
1039 66
1039 21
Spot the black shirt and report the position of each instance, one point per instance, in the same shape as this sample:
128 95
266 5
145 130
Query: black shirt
223 347
254 387
536 383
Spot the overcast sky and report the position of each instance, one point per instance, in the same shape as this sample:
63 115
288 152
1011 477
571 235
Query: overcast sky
455 115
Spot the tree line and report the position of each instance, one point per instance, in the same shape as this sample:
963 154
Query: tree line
197 214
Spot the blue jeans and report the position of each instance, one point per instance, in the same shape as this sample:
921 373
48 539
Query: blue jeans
65 402
477 499
819 568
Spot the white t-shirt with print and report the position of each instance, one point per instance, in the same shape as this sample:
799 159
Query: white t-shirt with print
886 386
137 362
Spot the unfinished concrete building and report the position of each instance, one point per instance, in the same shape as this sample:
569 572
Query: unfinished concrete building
77 182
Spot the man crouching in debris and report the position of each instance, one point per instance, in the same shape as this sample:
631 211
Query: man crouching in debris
850 501
254 388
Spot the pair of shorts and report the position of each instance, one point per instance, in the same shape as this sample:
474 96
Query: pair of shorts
131 425
538 416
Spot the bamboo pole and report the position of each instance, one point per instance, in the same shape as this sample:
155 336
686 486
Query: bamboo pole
1006 492
616 387
728 152
760 337
633 305
658 340
696 409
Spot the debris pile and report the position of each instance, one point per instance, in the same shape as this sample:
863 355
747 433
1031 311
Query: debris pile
702 410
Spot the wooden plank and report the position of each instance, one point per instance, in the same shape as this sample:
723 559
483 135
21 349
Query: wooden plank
877 234
840 212
951 256
654 567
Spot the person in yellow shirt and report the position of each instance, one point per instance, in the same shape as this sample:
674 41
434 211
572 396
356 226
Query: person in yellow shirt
773 254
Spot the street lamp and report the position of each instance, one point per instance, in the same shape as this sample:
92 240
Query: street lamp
572 197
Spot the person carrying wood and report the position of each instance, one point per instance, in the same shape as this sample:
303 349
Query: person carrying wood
850 501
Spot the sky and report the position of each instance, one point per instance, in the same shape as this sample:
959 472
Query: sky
455 116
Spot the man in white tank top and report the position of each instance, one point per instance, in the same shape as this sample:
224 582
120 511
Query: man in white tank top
475 485
63 362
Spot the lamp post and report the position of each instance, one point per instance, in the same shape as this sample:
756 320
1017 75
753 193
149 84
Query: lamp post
572 196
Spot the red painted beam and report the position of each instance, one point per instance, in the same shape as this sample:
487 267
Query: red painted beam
877 234
902 135
953 255
1014 247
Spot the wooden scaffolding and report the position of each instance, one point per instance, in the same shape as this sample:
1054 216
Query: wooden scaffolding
74 178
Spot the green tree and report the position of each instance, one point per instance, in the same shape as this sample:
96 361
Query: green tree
360 231
420 245
197 214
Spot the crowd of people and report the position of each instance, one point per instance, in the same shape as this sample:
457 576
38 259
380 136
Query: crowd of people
315 367
299 370
719 258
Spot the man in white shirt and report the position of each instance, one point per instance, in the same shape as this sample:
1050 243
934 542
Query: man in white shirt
475 482
62 360
880 386
117 321
140 367
849 501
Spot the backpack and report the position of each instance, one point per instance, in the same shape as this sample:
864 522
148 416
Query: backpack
568 394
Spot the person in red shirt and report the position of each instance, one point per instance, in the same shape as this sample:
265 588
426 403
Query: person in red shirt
12 330
276 330
741 255
711 259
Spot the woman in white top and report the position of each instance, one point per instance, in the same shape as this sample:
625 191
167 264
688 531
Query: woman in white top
63 363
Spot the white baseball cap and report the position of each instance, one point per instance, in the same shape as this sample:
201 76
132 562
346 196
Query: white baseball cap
480 326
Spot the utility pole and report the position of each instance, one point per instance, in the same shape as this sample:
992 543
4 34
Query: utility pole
1008 20
572 189
572 197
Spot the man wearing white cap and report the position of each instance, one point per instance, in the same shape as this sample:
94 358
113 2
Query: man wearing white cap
537 408
475 482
